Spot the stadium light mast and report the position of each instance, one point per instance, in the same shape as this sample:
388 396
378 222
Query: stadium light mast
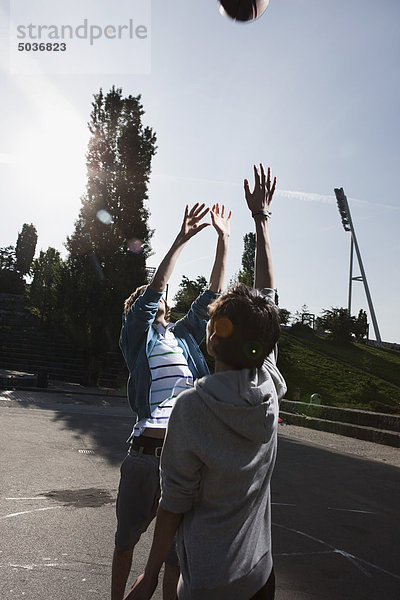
347 223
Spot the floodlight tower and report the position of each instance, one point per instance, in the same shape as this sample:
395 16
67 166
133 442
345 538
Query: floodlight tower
347 223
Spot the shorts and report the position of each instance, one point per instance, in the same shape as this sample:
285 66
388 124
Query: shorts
137 501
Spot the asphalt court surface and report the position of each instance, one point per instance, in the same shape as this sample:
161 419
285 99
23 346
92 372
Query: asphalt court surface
335 505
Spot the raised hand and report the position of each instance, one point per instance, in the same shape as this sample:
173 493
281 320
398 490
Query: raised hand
191 222
261 196
221 224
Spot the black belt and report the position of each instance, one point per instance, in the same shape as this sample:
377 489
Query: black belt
147 445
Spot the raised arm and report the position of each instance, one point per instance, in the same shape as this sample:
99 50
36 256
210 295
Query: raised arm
259 201
190 226
222 226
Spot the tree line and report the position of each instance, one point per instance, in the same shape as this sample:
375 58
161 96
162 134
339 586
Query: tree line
83 294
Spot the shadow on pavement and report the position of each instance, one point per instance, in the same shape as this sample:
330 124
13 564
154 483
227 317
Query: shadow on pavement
104 434
335 525
103 423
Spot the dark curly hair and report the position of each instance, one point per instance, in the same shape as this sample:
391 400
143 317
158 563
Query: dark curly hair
246 324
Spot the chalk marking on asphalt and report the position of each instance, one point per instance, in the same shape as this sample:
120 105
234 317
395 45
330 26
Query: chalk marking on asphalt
303 553
97 568
366 512
365 562
33 498
34 566
27 567
351 557
26 512
354 560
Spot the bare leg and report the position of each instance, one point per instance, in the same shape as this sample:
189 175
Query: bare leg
121 566
170 581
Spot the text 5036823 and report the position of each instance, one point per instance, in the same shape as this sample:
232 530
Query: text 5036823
42 47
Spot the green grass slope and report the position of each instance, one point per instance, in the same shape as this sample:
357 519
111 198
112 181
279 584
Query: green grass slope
351 375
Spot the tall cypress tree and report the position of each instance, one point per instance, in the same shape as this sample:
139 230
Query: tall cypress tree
44 290
111 240
246 274
25 248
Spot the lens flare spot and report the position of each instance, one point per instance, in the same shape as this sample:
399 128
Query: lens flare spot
224 327
253 349
104 217
136 246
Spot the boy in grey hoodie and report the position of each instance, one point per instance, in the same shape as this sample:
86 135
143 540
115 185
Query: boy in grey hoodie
220 447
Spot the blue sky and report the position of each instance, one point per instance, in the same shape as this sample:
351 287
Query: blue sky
311 88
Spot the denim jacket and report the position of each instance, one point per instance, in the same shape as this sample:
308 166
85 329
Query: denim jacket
138 337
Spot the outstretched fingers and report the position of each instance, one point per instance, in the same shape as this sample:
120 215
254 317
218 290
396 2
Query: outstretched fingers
202 214
192 210
256 179
215 209
216 212
247 193
263 176
198 211
271 193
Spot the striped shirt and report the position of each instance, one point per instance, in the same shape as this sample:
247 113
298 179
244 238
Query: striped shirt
170 375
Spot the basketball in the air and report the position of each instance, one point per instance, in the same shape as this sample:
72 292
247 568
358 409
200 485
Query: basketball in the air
243 10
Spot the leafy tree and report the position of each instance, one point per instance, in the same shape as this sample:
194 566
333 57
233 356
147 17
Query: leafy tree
284 316
7 258
188 291
25 248
111 240
299 314
44 291
361 326
16 261
11 281
338 323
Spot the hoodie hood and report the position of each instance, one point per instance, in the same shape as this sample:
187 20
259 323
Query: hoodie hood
245 401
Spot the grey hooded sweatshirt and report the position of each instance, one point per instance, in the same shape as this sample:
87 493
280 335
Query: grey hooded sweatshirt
216 468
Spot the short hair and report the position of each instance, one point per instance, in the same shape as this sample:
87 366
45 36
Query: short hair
133 297
246 324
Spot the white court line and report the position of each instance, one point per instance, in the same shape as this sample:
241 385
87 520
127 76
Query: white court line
351 557
366 512
26 512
